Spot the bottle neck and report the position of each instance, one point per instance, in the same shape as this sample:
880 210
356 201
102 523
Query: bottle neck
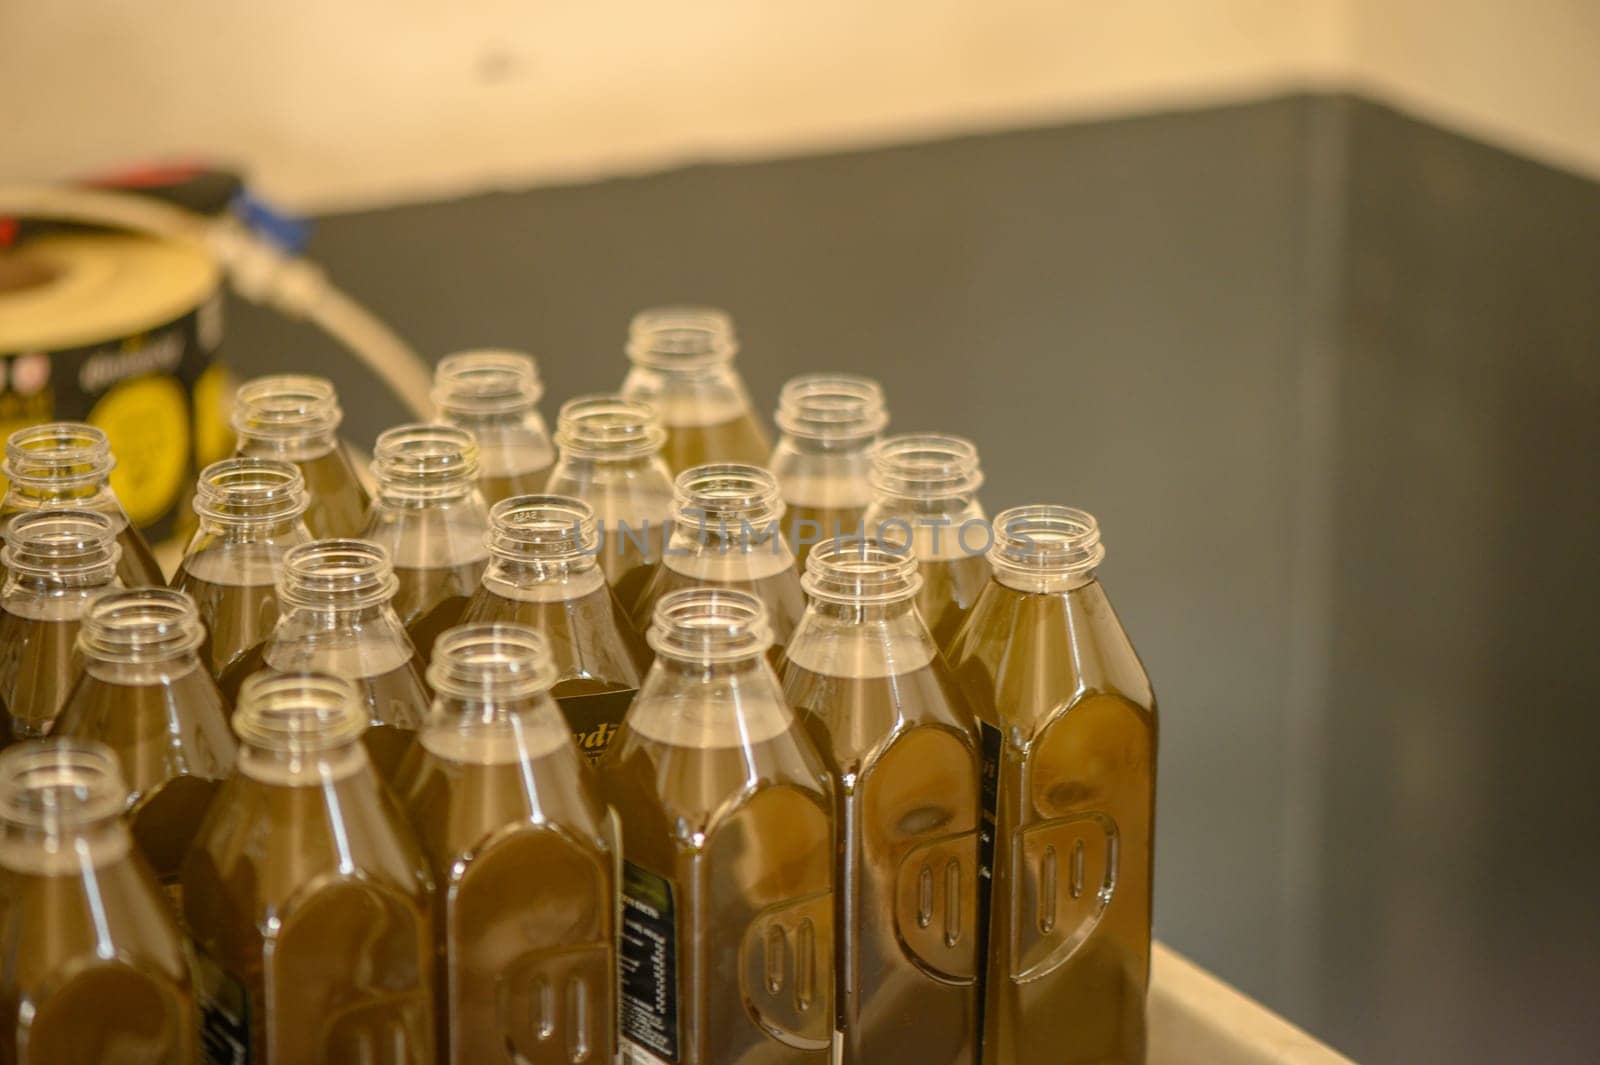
59 463
289 417
144 635
299 729
831 413
608 429
419 466
61 802
59 552
1045 549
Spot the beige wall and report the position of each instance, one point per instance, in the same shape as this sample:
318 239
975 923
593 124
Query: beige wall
331 102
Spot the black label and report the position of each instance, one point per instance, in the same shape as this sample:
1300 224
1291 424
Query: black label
224 1015
649 961
993 744
594 719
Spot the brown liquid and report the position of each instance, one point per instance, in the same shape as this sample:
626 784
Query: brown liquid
781 593
99 963
498 486
627 565
430 601
39 664
174 746
907 769
311 912
749 871
950 587
338 501
739 439
1068 972
806 526
522 855
593 647
238 619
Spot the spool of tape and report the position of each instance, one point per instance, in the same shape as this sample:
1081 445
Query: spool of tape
122 332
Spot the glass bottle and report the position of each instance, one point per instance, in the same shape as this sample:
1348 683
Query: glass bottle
68 465
726 811
683 367
510 818
308 899
495 396
611 459
430 516
925 494
337 618
296 417
145 694
869 684
1068 721
95 967
250 512
545 573
56 562
728 533
830 424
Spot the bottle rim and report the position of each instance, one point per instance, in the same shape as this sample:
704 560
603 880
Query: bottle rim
606 425
485 662
543 528
709 626
681 338
60 783
925 466
1043 541
61 542
859 571
286 408
139 625
832 407
720 494
336 574
423 460
250 491
298 713
58 455
487 381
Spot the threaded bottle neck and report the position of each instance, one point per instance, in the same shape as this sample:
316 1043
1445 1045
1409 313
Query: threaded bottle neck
603 427
1045 548
486 385
709 626
59 461
544 530
336 575
295 715
420 463
249 493
140 626
59 786
70 548
291 415
830 411
724 497
491 665
926 467
852 571
685 340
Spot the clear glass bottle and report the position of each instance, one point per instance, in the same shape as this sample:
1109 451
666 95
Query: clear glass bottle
430 516
336 598
1069 730
728 533
727 828
925 494
611 459
869 684
56 562
830 424
495 396
251 511
95 967
296 417
510 818
545 573
145 694
306 894
683 367
68 465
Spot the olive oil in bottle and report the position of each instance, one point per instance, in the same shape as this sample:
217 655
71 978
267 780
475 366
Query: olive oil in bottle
430 516
926 496
510 818
726 811
296 418
68 465
611 459
495 396
823 461
145 694
1068 721
57 562
683 367
545 573
308 899
251 511
869 684
96 968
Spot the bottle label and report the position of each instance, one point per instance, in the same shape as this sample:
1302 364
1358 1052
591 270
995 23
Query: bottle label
992 742
224 1008
649 963
594 719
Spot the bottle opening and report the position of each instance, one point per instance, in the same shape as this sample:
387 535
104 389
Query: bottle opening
58 456
141 625
423 461
710 625
832 408
58 784
726 494
1037 548
608 426
286 409
681 338
251 491
543 528
298 713
485 383
62 543
860 572
336 574
485 662
926 466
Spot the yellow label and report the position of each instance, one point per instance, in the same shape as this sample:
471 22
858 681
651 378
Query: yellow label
213 413
147 421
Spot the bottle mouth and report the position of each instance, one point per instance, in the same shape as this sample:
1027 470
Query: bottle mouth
425 461
1044 542
336 574
298 713
486 381
53 543
860 572
925 466
681 338
248 490
602 426
141 625
58 455
720 495
832 407
60 783
286 408
709 625
498 661
543 528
